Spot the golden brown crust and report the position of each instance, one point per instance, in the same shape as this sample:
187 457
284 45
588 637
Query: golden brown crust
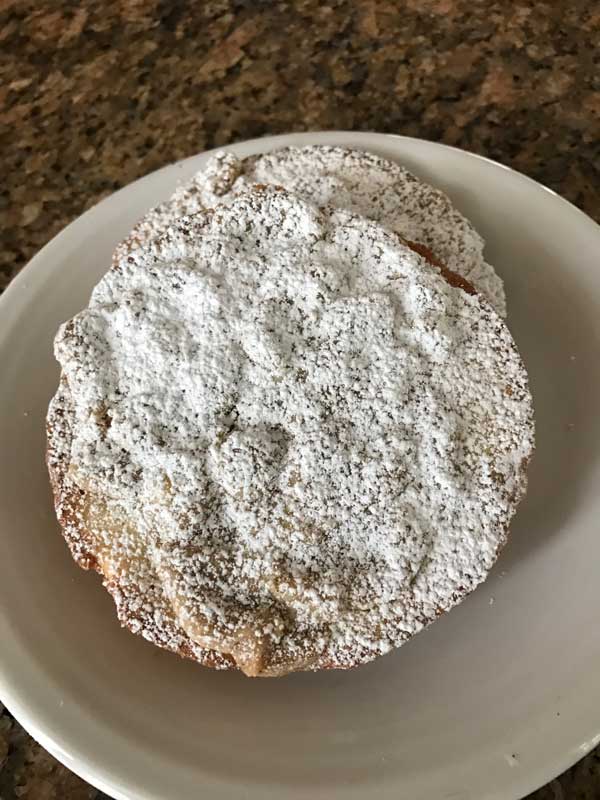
453 278
70 501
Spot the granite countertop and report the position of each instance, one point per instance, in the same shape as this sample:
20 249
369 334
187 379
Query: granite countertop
95 94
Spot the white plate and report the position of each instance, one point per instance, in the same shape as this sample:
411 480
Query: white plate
490 702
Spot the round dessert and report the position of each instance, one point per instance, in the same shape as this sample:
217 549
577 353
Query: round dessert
352 179
285 439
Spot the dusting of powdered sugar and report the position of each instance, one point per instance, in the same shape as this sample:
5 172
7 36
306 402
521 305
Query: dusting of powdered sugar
355 180
313 442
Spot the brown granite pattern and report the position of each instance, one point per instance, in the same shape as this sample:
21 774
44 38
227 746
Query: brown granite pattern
95 94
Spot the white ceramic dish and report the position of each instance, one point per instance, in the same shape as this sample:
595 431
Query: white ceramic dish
489 703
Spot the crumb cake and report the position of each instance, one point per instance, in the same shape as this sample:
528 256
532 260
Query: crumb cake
285 437
355 180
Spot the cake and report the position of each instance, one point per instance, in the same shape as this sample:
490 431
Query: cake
286 436
355 180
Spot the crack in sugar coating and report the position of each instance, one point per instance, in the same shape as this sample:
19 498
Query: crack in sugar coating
358 181
292 422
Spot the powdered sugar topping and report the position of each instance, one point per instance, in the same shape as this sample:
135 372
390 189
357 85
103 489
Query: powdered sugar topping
355 180
316 441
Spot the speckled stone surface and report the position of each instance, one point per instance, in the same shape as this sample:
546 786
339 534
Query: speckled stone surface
96 94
